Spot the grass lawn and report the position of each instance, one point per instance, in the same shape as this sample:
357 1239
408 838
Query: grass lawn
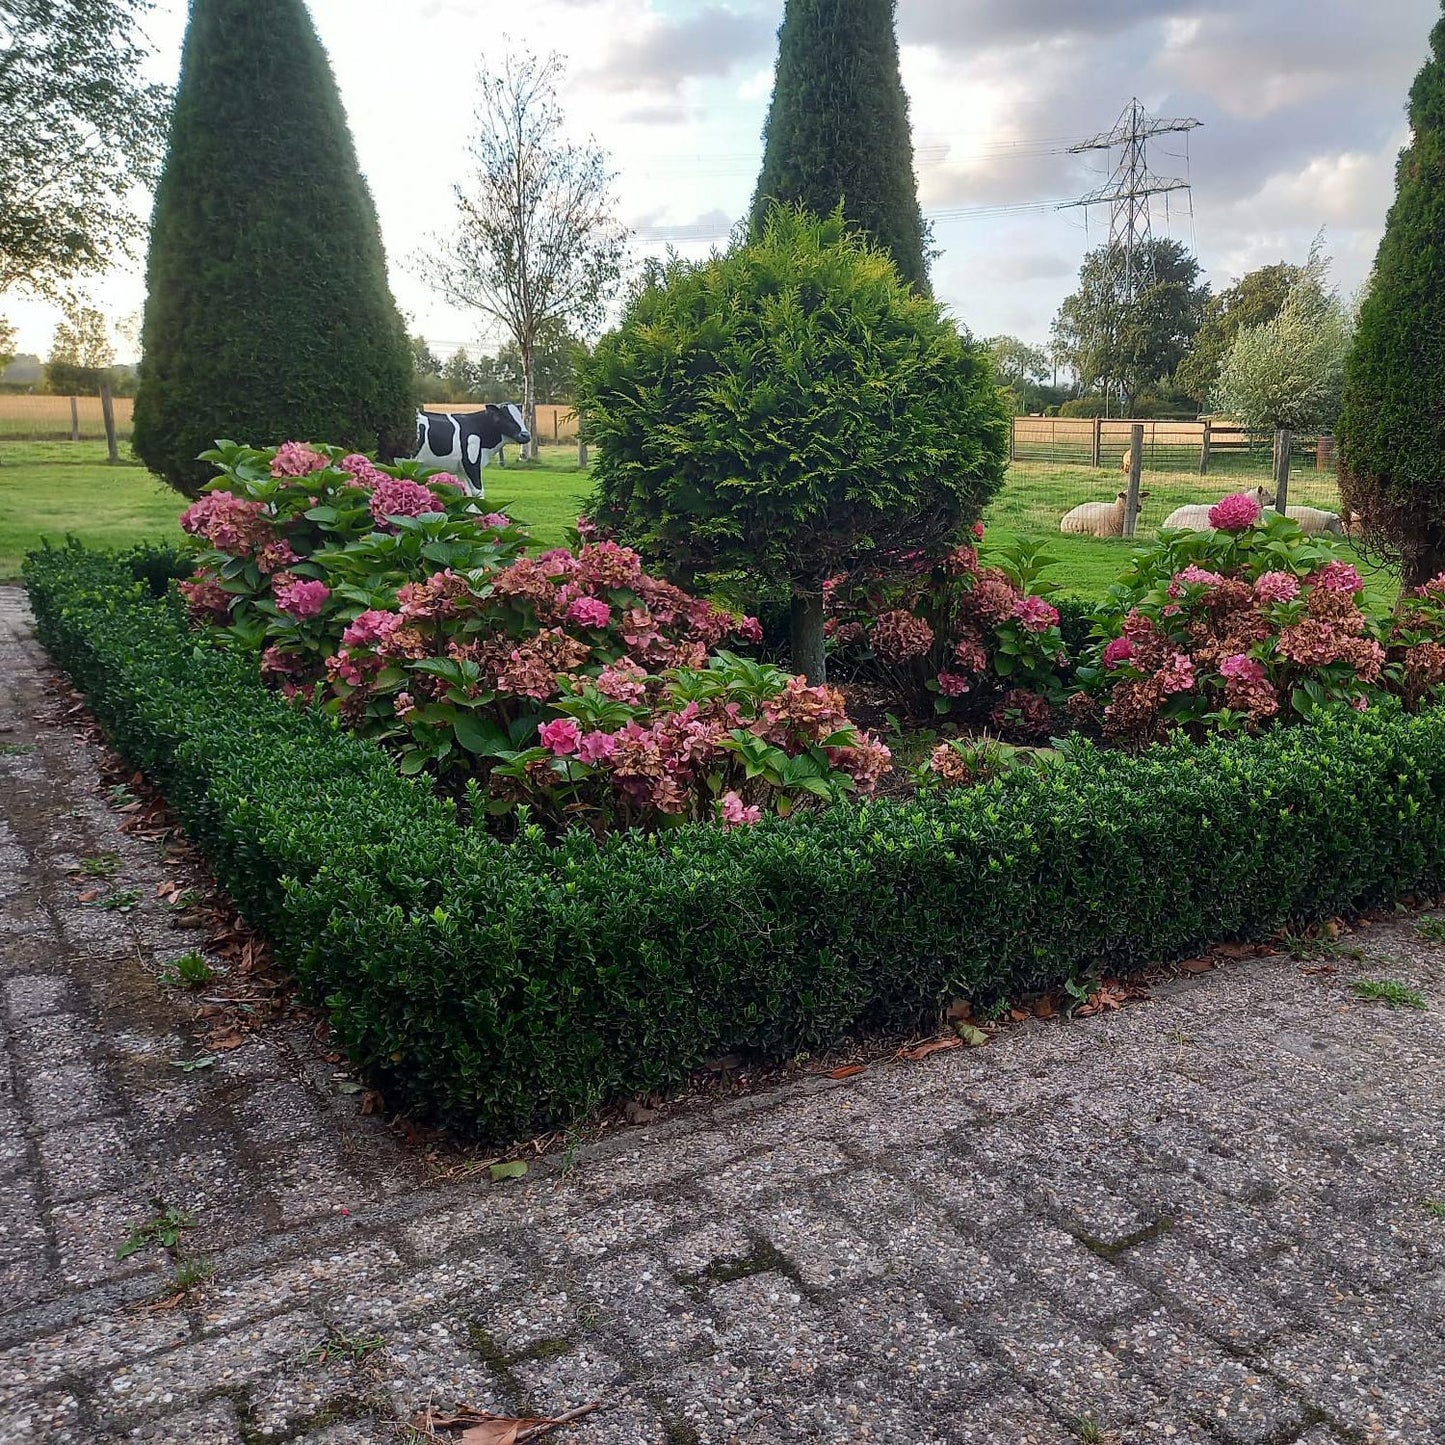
49 489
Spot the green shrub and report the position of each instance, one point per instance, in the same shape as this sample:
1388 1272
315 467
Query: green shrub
268 312
505 989
786 412
1392 424
837 129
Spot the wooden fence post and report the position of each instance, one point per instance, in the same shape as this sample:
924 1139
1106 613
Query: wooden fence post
1136 466
1095 448
1013 440
1283 444
107 411
1204 450
75 419
581 452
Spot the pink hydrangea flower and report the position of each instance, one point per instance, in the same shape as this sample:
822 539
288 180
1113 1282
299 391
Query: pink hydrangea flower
371 628
978 530
590 612
561 735
1360 702
1036 614
596 747
1120 649
623 682
1338 577
229 523
750 630
206 600
952 684
1193 576
1236 513
296 459
496 519
1276 587
302 599
1242 668
735 813
397 497
1177 675
961 561
1435 587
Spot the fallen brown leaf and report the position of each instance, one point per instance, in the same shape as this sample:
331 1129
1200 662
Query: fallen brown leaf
1045 1007
90 895
847 1071
636 1113
1198 965
1323 969
960 1008
933 1046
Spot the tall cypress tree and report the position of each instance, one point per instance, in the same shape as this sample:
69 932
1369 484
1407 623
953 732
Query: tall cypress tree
269 316
838 131
1392 427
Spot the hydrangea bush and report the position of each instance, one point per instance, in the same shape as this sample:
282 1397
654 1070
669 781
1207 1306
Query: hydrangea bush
572 682
953 636
1244 627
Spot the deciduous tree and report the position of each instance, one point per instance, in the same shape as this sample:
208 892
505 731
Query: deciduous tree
536 241
79 129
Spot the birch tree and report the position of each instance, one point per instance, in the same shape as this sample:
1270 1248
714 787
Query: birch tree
535 241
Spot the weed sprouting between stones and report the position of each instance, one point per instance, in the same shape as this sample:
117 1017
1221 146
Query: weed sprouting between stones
1390 991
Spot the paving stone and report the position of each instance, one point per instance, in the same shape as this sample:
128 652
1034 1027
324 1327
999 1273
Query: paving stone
1217 1242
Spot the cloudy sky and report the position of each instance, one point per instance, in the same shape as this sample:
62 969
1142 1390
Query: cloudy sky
1302 104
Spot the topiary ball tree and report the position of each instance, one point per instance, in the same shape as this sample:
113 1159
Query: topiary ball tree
789 411
837 131
269 316
1391 431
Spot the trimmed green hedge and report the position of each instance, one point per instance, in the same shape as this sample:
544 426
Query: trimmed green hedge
507 988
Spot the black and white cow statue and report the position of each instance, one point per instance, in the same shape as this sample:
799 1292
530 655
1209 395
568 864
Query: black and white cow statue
465 441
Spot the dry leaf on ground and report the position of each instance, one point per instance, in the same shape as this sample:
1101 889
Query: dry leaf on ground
933 1046
846 1072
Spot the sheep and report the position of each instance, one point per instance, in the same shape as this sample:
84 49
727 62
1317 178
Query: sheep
1128 461
1098 519
1315 520
1195 517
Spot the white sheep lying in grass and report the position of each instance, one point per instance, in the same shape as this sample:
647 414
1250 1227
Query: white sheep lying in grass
1098 519
1315 520
1195 516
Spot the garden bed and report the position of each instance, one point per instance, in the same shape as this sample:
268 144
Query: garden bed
505 988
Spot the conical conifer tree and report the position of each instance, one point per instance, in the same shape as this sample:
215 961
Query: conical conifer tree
838 131
269 316
1392 428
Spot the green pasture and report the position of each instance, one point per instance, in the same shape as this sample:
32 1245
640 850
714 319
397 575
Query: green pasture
51 489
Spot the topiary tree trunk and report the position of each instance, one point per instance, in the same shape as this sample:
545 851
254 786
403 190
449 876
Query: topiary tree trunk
1392 426
807 646
269 317
837 130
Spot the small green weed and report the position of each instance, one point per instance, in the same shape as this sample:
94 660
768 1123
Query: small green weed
191 1273
190 970
1390 991
1431 929
1435 1207
16 750
123 900
1304 948
340 1346
101 865
998 1009
120 796
1088 1431
189 1066
165 1229
187 898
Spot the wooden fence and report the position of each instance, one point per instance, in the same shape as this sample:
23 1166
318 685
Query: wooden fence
60 418
1199 446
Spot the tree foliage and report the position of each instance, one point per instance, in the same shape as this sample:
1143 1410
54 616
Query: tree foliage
1252 301
80 353
1392 424
1288 372
1128 348
269 315
78 130
789 411
536 242
837 130
7 342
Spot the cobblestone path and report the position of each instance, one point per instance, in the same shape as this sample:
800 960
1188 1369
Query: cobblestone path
1199 1219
